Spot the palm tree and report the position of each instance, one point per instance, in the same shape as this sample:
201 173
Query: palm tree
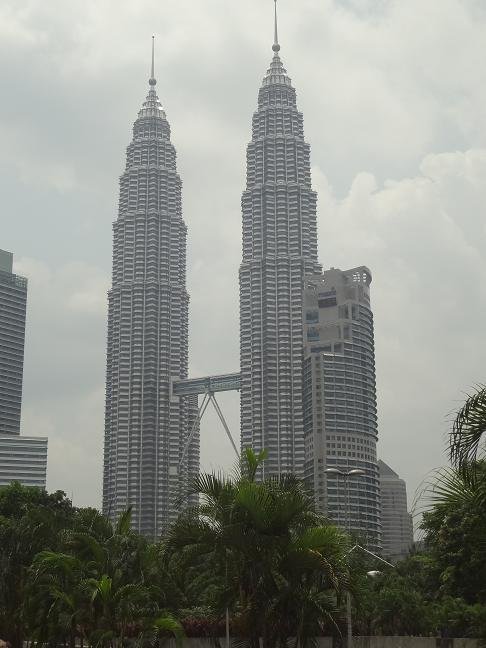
98 588
468 429
281 565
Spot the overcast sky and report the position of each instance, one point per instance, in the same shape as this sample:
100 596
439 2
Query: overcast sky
394 101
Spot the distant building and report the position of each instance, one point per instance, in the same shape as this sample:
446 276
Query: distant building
23 459
396 521
340 420
13 302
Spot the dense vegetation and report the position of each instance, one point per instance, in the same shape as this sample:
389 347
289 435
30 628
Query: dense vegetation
255 551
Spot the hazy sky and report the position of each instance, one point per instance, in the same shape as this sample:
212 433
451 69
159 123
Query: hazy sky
394 100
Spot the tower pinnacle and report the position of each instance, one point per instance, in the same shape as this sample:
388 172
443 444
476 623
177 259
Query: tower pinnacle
152 80
276 46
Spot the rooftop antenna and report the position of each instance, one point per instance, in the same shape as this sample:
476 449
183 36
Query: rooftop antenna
152 80
276 46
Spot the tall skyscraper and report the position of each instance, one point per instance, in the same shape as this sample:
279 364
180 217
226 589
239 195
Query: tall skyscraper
340 420
13 304
397 526
146 427
279 250
22 459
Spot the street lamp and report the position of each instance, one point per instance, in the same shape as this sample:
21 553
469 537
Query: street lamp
346 474
373 574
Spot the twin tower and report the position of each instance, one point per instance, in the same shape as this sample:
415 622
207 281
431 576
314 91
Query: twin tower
151 430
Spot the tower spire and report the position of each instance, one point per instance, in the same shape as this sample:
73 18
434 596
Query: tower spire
153 80
276 46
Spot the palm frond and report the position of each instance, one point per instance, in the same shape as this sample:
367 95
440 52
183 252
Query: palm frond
468 429
124 522
448 487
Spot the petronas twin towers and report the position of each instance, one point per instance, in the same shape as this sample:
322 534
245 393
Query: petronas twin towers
145 427
279 250
151 431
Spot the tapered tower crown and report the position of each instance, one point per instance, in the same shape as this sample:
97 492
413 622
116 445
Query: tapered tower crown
152 106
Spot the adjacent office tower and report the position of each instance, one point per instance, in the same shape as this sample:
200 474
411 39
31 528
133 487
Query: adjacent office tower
340 421
279 250
13 304
145 427
396 521
22 459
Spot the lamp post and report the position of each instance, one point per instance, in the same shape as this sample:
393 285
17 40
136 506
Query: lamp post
346 474
372 574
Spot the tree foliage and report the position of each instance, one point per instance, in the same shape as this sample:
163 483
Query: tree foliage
256 549
469 430
281 567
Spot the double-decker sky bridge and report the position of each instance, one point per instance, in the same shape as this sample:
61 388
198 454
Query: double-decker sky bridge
207 386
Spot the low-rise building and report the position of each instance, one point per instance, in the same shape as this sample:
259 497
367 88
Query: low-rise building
23 459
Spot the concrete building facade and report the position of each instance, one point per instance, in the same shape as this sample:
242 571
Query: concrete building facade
396 521
340 417
146 426
279 250
23 459
13 305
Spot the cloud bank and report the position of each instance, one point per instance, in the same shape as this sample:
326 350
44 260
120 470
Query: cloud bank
393 96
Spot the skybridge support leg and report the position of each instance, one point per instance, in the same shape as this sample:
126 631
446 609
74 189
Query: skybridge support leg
223 421
197 421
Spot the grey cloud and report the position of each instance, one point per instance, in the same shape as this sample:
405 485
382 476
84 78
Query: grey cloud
384 89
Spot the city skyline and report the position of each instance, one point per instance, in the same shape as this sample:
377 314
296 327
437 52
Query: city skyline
408 259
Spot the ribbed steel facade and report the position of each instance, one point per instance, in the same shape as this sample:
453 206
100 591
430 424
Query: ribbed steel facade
146 427
13 304
279 249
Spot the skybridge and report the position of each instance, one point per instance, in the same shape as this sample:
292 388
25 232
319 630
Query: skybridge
208 386
221 383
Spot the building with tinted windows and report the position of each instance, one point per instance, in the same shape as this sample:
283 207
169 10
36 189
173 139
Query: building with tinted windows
13 304
340 418
22 459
